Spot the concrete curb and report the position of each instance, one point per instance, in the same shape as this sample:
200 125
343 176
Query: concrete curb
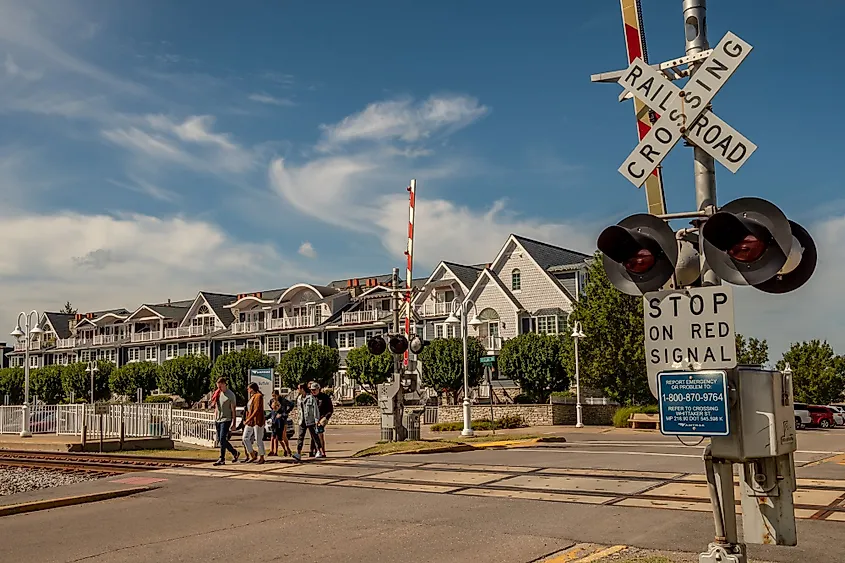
38 505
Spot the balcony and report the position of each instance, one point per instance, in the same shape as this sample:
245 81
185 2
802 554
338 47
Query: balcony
291 322
150 336
492 343
101 339
439 309
188 331
360 317
250 327
33 345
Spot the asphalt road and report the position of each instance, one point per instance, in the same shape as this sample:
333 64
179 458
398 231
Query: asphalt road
498 505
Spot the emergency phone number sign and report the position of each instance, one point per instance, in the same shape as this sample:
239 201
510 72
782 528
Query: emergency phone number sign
694 403
690 329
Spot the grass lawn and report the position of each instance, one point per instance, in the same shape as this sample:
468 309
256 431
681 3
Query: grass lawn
646 560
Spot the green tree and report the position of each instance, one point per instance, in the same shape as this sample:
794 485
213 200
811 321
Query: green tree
535 361
235 367
442 364
314 362
127 379
368 369
186 376
818 375
612 356
77 381
46 384
752 351
11 384
68 309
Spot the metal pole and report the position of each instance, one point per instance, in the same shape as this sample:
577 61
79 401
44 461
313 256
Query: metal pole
579 423
467 431
25 433
399 431
91 370
695 28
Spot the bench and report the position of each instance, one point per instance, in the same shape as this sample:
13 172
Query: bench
642 420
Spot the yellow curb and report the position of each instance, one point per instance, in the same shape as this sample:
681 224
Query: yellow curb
602 554
506 444
37 505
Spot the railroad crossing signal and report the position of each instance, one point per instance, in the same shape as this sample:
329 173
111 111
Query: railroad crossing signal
685 113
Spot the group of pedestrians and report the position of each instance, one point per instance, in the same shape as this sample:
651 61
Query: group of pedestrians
315 409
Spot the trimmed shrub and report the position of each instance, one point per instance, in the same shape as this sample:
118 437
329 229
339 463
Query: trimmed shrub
522 399
365 400
507 421
158 399
621 416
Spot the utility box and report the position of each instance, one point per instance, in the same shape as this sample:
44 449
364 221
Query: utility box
412 424
765 425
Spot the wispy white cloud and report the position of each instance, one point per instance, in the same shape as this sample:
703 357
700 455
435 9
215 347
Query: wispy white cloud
146 188
403 120
264 98
307 249
12 69
196 129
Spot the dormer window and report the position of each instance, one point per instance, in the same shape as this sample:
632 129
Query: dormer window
516 280
203 310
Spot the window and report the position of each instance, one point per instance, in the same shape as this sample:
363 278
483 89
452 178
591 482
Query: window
516 280
346 340
372 333
33 361
203 310
419 330
228 346
548 324
198 348
448 296
16 361
304 339
134 355
385 305
172 351
284 344
438 331
150 353
273 344
254 344
86 355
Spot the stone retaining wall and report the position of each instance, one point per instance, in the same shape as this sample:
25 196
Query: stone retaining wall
534 415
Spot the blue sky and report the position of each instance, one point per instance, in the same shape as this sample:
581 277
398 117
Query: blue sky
150 148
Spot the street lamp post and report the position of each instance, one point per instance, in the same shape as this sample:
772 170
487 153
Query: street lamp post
92 369
463 308
577 334
30 329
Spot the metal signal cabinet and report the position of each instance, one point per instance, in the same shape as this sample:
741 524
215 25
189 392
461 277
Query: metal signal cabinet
765 425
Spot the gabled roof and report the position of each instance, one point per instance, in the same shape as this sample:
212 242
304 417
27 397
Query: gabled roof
548 255
59 323
465 274
489 275
168 312
218 302
322 291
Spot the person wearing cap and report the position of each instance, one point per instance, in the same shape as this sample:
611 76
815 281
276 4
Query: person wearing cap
324 404
309 415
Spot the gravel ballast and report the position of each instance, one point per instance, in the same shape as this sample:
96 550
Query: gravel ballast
15 480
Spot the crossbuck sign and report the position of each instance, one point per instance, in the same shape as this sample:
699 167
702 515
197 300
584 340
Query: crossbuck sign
684 112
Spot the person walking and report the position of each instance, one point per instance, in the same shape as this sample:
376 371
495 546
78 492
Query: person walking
224 415
254 424
309 414
281 421
326 408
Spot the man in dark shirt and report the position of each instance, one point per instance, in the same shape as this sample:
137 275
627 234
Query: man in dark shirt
324 402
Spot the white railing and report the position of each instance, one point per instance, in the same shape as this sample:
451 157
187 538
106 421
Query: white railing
146 336
188 331
33 345
43 419
359 317
66 342
492 343
248 327
105 339
139 421
194 427
434 309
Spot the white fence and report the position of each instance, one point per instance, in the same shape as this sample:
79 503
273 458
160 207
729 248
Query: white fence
137 421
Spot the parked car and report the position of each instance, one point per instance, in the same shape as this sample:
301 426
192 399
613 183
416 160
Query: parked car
802 416
822 416
838 414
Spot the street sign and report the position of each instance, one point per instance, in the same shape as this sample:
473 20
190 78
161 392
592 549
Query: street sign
101 408
694 403
685 113
264 378
488 360
688 329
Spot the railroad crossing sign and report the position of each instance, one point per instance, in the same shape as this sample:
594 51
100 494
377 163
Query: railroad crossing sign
684 112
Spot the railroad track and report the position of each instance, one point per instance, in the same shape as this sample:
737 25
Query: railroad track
88 463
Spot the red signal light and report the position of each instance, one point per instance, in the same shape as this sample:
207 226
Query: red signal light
641 262
749 249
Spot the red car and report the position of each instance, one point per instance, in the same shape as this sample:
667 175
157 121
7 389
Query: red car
822 416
